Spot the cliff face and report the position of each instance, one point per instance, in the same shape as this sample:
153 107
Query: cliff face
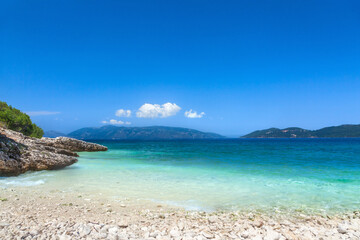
19 153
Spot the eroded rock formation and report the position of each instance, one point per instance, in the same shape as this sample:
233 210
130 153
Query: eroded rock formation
19 153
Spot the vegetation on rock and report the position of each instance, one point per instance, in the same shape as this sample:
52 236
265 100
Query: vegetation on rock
16 120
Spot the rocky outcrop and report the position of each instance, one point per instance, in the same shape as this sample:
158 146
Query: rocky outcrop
73 144
19 153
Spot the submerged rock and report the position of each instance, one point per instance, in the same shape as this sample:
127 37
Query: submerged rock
20 153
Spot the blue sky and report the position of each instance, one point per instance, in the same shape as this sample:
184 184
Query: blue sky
246 65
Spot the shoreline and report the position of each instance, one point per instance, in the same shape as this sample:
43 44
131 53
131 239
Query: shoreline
37 213
64 215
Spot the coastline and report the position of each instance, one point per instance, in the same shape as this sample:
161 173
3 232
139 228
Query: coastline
66 212
29 214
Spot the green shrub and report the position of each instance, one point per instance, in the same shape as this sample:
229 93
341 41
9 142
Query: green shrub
16 120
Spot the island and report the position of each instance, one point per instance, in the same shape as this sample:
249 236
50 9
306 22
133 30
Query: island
110 132
342 131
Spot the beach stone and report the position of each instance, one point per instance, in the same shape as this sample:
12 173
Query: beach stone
34 232
208 235
84 231
181 226
64 237
101 236
289 235
341 229
123 224
257 237
272 235
258 224
245 234
213 219
174 233
112 237
200 237
113 230
146 234
153 234
163 238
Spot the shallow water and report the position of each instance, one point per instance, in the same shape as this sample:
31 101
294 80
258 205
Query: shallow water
282 175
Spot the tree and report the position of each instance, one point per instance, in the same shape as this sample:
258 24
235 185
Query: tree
16 120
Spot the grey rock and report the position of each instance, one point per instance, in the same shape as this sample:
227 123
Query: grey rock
113 230
341 229
213 219
20 153
85 230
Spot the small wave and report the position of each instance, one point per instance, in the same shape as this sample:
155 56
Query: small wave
189 205
21 183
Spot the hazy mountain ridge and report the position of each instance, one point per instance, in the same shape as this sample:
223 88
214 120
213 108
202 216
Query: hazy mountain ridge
140 133
342 131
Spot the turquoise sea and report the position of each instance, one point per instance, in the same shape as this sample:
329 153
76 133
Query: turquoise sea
276 175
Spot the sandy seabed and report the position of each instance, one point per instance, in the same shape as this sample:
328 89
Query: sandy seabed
33 214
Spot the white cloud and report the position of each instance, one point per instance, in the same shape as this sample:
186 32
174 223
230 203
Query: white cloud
123 113
41 113
115 122
155 110
193 114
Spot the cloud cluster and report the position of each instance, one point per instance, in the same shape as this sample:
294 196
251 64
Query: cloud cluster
157 111
116 122
193 114
149 110
123 113
41 113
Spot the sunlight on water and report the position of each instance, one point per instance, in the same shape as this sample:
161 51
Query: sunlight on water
283 175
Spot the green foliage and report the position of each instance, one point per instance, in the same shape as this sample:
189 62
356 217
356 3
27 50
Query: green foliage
16 120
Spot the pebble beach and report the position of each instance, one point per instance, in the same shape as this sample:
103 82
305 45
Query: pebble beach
28 214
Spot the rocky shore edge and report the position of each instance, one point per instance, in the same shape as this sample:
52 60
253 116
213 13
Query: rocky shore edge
20 153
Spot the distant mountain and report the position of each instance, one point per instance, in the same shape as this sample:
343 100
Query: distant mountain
342 131
54 134
140 133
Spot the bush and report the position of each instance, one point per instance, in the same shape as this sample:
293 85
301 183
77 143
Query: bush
16 120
